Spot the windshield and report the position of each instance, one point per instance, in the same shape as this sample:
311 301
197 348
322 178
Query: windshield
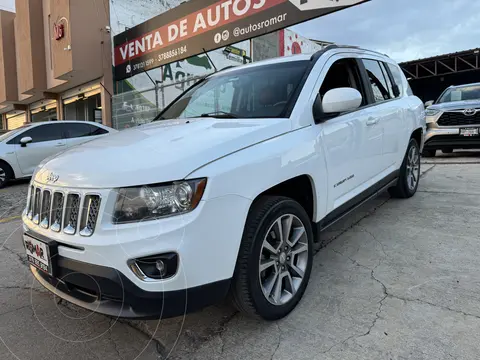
471 92
12 132
250 92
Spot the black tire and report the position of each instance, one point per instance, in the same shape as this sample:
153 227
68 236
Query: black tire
7 171
447 151
403 190
246 290
429 153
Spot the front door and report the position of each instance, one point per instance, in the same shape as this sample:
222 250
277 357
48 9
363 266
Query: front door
352 143
47 140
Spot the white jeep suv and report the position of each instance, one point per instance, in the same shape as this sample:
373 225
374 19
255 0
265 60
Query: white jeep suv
227 190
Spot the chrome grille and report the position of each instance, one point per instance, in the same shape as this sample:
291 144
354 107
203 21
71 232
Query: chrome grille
37 202
57 211
46 207
90 209
458 119
71 214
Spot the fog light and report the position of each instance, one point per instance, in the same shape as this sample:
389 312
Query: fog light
161 267
156 267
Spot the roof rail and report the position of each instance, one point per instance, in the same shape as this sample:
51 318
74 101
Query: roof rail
335 46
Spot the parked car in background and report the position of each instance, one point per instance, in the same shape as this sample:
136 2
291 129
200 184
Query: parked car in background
225 190
22 149
453 121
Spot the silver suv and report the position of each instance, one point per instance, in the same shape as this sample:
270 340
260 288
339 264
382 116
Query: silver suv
453 121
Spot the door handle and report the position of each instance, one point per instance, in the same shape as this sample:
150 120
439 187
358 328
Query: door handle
372 121
59 145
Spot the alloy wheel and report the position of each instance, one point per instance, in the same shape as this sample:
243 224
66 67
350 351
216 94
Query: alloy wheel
3 176
413 168
283 259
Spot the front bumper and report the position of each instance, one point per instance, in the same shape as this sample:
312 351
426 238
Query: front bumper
107 291
440 138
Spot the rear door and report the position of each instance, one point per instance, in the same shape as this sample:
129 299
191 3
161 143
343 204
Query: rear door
79 133
387 112
47 140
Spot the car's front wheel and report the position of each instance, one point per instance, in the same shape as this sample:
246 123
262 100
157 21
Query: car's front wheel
5 174
275 258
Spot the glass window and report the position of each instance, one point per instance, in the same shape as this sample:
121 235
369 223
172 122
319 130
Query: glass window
343 73
44 115
95 130
41 133
12 132
78 130
249 92
377 80
462 93
397 77
388 80
85 109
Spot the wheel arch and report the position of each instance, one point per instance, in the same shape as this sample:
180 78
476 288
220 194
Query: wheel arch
300 188
417 134
12 172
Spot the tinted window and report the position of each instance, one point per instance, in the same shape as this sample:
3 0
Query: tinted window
249 92
343 73
78 130
397 77
42 133
377 80
97 131
388 80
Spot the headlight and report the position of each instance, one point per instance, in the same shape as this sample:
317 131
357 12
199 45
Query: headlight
152 202
431 112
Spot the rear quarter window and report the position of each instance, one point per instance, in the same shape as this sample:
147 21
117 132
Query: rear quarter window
398 78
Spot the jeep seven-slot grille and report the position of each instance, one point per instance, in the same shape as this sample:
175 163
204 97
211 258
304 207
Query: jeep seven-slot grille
63 212
458 119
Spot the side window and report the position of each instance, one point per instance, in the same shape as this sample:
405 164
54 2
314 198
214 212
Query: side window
42 133
391 92
343 73
95 130
78 130
377 80
397 77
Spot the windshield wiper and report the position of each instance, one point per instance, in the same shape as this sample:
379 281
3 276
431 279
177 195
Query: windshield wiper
220 115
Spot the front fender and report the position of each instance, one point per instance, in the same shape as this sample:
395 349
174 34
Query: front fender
251 171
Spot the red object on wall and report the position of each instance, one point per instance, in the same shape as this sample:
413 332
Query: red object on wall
59 31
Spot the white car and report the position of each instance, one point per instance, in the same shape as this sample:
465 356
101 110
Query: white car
22 149
227 190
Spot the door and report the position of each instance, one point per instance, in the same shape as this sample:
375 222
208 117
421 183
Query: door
79 133
47 140
352 143
386 110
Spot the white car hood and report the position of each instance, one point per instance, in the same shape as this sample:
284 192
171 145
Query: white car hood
158 152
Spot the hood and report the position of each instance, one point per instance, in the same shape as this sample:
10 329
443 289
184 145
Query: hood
158 152
456 105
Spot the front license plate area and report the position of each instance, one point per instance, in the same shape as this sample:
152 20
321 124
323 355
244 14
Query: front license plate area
469 132
40 254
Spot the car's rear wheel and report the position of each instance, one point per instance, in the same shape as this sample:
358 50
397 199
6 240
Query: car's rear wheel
447 151
275 258
5 174
429 153
409 176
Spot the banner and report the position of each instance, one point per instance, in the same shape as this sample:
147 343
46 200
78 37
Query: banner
200 25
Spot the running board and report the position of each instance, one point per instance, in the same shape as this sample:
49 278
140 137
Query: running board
359 200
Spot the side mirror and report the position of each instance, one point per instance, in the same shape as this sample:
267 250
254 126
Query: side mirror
336 101
429 103
25 140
